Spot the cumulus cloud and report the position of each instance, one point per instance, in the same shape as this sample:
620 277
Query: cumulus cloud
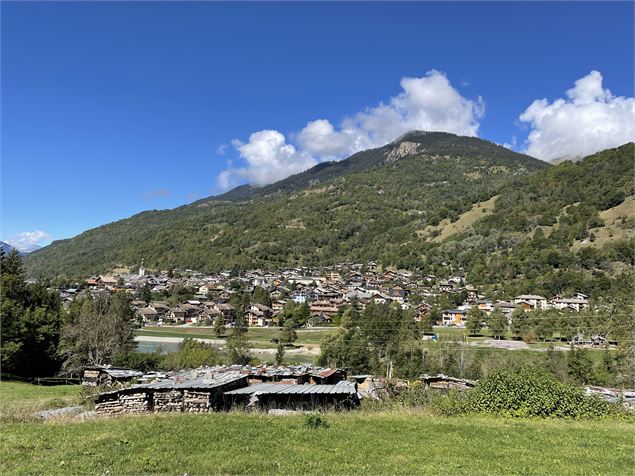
426 103
588 120
268 159
28 240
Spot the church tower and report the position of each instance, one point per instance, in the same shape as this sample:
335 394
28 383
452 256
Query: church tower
142 270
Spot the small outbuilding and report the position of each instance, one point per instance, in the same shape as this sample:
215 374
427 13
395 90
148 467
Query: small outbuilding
99 375
342 396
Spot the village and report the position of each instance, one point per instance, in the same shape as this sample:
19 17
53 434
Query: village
324 292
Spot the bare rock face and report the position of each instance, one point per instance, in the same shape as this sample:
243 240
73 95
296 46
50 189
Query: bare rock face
402 150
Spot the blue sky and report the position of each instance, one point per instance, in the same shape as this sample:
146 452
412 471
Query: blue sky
113 108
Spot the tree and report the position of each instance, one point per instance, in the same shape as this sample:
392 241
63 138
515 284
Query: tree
237 343
261 296
430 319
288 334
580 365
519 324
219 326
280 354
191 354
497 323
96 331
146 293
30 322
474 321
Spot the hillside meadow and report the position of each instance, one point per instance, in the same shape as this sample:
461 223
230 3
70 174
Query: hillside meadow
360 442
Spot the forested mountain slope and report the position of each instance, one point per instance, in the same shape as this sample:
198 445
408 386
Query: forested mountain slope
505 220
542 234
368 206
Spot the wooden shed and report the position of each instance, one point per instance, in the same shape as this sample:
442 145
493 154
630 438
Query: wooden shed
194 396
296 397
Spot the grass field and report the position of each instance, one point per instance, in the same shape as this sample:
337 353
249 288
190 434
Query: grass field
396 443
18 401
259 336
359 442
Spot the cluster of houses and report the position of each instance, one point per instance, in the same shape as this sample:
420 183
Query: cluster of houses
526 302
324 292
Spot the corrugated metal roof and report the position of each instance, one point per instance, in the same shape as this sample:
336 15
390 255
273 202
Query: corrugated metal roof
287 389
198 383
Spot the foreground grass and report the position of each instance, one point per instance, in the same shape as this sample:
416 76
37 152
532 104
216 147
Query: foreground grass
403 443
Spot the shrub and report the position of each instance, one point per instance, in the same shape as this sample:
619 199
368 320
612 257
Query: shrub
315 421
191 354
525 392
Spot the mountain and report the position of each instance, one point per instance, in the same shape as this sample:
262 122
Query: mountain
334 211
30 248
434 201
409 144
6 247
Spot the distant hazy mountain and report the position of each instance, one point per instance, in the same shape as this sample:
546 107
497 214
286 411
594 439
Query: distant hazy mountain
6 247
29 248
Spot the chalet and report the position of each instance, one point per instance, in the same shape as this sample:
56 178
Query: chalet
276 294
454 317
183 312
576 305
278 306
147 314
259 315
422 310
299 297
506 307
227 310
446 287
327 307
161 307
485 306
532 300
381 299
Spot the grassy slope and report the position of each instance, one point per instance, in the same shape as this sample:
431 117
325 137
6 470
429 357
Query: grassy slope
613 228
19 400
399 443
463 223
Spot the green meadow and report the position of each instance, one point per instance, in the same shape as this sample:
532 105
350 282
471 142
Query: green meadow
358 442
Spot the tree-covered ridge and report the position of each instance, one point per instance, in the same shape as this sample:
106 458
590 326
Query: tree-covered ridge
370 212
425 143
527 242
538 238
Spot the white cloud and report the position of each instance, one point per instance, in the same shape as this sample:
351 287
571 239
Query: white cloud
511 145
28 240
269 159
427 103
589 120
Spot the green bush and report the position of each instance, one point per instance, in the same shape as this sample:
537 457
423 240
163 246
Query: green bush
315 421
527 392
190 355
